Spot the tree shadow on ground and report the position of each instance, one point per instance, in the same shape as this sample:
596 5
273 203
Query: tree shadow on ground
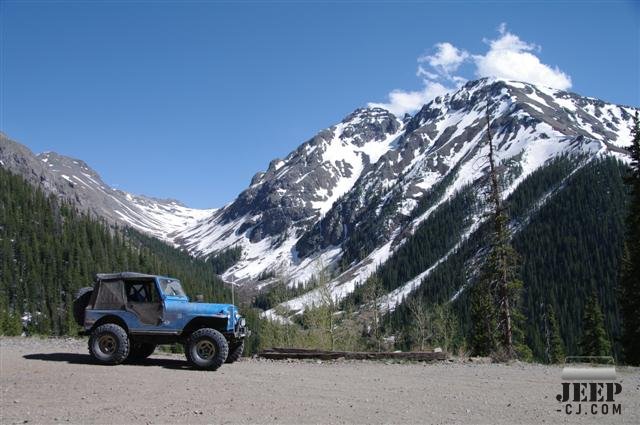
75 358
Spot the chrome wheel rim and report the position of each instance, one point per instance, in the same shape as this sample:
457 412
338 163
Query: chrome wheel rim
205 349
107 344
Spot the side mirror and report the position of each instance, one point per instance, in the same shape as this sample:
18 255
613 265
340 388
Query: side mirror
199 298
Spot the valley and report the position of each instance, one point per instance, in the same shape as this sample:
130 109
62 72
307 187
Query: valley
375 204
63 386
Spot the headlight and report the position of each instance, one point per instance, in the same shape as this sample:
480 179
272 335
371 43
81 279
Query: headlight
242 322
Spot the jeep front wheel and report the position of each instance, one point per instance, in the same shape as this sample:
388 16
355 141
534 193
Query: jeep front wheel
207 349
109 344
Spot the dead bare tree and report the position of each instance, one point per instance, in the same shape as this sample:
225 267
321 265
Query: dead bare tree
502 247
499 272
328 303
372 297
421 320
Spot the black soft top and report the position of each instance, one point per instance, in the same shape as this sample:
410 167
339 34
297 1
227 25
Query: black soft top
123 275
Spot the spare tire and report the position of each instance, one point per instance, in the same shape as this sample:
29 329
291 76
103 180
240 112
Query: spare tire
80 303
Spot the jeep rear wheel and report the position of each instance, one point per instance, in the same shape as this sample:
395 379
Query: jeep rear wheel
109 344
235 352
207 349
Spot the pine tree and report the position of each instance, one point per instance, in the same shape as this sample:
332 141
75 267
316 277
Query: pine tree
595 341
575 237
520 348
499 276
555 346
483 320
629 289
12 325
48 250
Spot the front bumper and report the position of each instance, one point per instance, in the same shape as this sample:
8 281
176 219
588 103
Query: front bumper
241 331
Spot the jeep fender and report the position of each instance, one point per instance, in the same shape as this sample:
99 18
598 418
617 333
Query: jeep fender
110 319
214 322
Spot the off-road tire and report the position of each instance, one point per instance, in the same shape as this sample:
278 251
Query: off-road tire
207 349
235 352
80 302
109 344
140 350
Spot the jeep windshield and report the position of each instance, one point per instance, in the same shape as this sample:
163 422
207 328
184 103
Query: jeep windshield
172 287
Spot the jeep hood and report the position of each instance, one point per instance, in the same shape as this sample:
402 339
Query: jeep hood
209 309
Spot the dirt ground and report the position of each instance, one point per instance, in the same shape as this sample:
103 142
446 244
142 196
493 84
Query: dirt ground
55 381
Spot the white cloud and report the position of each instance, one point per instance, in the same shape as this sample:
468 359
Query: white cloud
508 57
443 63
403 102
446 60
424 73
511 58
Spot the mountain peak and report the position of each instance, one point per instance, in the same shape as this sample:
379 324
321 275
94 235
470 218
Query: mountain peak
372 169
75 181
353 192
372 112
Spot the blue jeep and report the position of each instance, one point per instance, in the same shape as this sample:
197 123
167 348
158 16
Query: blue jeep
128 314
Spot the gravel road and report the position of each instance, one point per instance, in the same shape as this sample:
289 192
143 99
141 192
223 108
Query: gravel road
55 381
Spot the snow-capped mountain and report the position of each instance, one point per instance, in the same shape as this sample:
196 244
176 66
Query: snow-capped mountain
350 197
73 180
284 203
368 173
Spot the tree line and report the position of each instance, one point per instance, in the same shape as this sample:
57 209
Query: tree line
48 250
535 281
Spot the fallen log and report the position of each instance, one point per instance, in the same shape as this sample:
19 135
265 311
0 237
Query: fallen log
302 353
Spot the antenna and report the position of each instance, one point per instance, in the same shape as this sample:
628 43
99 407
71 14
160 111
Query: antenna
232 318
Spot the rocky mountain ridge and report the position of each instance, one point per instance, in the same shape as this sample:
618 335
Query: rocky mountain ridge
73 180
421 162
348 198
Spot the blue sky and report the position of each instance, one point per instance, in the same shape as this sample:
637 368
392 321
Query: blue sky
189 99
